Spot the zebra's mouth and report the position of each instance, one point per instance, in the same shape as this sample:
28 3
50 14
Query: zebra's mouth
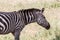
45 26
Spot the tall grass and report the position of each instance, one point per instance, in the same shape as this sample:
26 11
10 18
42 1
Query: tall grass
34 31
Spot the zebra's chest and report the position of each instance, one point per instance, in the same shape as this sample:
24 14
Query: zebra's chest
17 23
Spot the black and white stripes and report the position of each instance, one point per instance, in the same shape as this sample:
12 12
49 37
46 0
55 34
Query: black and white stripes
29 16
7 21
4 23
14 22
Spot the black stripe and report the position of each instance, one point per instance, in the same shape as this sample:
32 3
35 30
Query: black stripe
32 16
28 16
18 22
5 18
15 17
3 23
8 17
25 17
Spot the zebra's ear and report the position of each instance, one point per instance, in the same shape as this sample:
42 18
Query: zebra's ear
42 10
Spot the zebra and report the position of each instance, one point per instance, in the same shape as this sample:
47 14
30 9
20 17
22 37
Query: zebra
14 22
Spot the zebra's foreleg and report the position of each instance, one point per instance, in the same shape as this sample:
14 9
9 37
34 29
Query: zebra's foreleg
16 34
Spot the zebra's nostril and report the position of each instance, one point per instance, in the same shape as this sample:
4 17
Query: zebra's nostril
48 27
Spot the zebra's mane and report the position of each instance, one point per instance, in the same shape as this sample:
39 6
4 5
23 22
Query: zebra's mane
30 9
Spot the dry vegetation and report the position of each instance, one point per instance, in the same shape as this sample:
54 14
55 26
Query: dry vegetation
33 31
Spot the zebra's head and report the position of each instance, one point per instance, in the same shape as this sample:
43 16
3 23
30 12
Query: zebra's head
41 20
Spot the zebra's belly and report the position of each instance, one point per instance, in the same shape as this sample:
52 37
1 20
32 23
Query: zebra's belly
1 32
4 33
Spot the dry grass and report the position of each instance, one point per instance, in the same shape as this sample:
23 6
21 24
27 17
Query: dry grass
33 31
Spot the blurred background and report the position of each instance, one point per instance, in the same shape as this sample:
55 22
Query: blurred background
33 31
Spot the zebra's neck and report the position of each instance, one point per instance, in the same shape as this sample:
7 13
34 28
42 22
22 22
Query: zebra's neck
29 16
